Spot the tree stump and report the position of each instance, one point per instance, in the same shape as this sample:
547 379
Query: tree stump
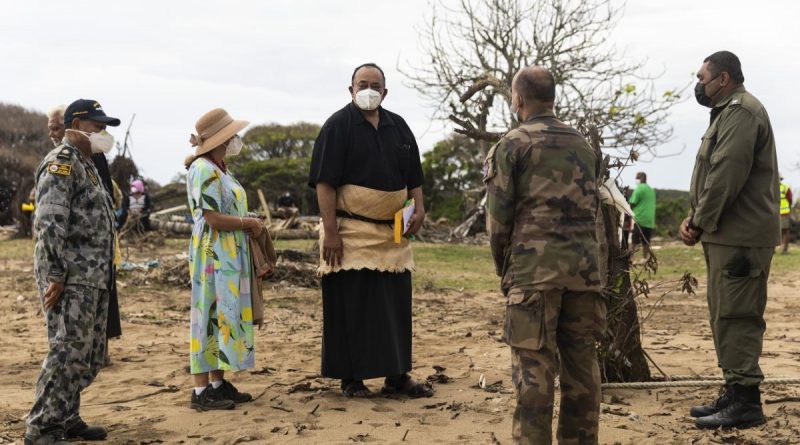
620 352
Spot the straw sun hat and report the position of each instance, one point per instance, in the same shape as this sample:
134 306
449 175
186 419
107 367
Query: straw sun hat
214 128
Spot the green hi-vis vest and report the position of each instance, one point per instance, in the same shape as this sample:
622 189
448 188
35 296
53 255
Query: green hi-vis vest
785 210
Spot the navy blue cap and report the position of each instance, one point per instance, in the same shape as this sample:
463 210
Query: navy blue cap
87 109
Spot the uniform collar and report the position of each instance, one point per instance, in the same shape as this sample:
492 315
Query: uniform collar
545 113
65 143
736 93
358 117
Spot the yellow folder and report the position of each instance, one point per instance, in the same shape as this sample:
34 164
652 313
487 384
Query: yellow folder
401 219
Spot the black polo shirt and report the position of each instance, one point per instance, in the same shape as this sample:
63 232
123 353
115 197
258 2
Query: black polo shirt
349 150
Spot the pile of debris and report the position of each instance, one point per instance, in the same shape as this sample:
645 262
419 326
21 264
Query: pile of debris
295 268
472 231
170 271
294 227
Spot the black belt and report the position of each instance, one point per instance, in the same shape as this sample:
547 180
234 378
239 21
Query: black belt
344 214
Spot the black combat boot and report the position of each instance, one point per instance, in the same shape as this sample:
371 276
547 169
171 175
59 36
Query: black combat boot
48 437
80 430
722 401
744 410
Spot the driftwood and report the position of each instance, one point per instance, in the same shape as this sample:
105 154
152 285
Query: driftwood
289 234
175 227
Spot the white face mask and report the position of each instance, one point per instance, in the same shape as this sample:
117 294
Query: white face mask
234 146
101 142
368 99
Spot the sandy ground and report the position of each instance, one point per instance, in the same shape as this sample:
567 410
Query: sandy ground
143 397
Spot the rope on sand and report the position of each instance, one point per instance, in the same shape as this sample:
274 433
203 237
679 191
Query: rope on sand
684 381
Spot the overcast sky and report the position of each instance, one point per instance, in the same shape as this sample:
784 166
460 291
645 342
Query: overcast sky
287 61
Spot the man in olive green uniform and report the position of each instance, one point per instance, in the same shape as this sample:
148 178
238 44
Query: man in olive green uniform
541 208
734 213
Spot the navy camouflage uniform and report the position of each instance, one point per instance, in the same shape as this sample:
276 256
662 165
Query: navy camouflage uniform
74 245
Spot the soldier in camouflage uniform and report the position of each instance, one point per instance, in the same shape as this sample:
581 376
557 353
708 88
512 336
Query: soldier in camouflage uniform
72 256
541 209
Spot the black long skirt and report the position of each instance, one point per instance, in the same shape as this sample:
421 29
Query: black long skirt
366 324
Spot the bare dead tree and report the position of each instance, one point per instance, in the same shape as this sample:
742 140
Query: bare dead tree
474 48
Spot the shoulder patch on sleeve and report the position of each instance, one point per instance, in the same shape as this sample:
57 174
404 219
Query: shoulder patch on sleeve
489 170
59 169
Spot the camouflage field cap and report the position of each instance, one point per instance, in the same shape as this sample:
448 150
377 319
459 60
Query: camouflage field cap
214 128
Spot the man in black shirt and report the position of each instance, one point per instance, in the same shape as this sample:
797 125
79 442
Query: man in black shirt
365 167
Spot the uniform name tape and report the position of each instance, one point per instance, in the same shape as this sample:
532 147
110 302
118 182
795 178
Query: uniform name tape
59 169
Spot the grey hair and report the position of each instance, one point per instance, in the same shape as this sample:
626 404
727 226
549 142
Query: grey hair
57 111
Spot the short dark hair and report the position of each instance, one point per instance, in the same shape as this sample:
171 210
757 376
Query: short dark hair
726 61
642 176
368 65
539 86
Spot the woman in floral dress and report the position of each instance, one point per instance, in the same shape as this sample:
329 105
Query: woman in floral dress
221 333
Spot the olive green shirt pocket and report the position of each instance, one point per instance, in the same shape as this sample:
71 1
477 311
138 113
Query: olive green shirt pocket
525 319
741 294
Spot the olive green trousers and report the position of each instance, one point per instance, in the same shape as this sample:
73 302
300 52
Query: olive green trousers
737 297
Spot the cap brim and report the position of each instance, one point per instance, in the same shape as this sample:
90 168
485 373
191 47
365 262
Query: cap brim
108 120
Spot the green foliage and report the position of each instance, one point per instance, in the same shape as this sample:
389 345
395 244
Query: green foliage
276 159
672 206
274 177
451 169
272 141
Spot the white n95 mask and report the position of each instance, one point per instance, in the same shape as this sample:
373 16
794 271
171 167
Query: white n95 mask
234 146
101 142
368 99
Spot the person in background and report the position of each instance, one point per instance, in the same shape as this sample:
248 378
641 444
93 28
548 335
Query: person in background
735 215
221 329
55 131
73 257
55 124
786 215
643 202
137 207
627 225
287 207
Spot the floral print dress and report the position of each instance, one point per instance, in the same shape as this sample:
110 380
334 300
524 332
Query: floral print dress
221 333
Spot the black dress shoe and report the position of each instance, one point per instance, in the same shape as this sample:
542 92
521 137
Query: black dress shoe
714 407
744 411
80 430
211 399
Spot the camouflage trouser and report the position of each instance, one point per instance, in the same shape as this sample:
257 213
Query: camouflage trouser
737 297
76 330
543 329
